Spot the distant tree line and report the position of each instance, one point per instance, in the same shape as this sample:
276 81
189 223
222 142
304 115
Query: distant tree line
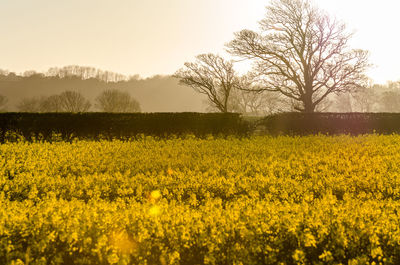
155 94
371 98
83 72
73 101
110 100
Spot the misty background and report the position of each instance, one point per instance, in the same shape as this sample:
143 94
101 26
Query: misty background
163 93
70 44
154 94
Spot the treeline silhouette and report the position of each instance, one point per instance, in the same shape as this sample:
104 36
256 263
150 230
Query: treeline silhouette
42 92
84 72
373 98
154 94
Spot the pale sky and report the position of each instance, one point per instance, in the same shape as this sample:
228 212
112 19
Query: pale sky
149 37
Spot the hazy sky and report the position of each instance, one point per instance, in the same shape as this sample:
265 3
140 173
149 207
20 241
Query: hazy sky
149 37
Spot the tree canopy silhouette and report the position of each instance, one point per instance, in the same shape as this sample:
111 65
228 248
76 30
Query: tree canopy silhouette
73 101
212 76
113 100
302 53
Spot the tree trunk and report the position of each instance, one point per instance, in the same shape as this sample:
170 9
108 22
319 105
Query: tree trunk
308 104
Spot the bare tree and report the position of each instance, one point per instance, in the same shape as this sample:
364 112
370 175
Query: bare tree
84 72
4 72
114 100
256 103
3 103
343 103
380 97
29 105
301 53
390 101
212 76
365 100
324 106
249 99
73 101
51 103
67 101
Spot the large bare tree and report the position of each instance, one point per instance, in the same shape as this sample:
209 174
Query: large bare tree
301 53
212 76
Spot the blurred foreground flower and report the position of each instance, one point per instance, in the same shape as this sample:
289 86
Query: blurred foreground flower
155 194
155 210
122 242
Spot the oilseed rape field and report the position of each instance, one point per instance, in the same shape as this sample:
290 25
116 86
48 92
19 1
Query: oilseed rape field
255 200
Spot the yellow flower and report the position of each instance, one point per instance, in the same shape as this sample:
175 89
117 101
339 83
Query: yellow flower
155 194
154 210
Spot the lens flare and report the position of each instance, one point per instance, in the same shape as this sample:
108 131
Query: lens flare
122 242
155 194
155 210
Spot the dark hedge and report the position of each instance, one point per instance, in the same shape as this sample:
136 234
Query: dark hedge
67 126
119 125
331 123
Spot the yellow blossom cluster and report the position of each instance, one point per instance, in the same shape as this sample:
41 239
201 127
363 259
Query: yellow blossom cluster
257 200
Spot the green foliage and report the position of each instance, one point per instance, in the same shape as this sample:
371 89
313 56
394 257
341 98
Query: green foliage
257 200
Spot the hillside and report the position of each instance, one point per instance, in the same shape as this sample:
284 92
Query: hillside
155 94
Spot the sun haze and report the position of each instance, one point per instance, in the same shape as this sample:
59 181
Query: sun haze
157 36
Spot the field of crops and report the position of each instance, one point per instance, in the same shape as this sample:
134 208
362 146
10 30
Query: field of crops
257 200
